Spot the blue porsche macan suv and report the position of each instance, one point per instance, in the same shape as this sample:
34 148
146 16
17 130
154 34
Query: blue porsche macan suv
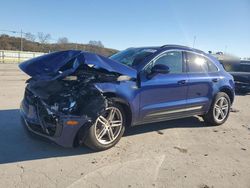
76 97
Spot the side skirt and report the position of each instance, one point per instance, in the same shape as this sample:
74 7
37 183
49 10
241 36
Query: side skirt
171 115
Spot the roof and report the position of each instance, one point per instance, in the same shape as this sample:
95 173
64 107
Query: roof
170 46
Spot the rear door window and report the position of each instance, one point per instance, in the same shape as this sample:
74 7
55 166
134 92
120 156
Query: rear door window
199 64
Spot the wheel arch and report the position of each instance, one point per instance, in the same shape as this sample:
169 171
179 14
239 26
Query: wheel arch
125 105
80 136
229 92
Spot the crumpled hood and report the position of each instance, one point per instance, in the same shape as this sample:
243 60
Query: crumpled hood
61 64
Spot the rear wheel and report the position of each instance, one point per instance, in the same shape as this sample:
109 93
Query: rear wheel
219 110
107 129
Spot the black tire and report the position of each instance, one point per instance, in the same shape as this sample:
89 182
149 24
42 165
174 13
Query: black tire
91 140
209 118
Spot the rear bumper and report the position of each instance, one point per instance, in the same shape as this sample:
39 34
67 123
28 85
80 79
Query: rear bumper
63 135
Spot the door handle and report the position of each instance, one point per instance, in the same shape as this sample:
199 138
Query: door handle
181 82
215 79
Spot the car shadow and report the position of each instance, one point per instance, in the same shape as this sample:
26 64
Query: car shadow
17 145
190 122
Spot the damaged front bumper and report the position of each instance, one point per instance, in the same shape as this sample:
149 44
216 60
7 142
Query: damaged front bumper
56 129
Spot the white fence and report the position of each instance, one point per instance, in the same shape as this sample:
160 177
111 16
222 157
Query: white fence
8 56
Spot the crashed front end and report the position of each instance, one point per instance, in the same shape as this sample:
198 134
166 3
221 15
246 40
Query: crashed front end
60 115
61 96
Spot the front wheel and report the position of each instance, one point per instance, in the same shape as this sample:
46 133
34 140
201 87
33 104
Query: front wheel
107 129
219 110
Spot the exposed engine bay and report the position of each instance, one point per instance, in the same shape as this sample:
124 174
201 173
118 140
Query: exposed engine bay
74 95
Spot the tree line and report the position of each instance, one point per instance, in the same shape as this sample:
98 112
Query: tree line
42 43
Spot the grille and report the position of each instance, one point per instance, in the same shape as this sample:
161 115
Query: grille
29 97
36 128
48 122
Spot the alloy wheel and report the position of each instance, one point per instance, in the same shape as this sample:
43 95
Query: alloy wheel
108 126
221 109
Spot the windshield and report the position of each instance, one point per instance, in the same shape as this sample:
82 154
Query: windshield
132 56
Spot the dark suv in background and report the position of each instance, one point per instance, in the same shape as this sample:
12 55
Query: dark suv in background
240 70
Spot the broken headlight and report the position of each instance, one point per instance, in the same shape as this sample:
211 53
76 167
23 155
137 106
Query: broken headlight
123 78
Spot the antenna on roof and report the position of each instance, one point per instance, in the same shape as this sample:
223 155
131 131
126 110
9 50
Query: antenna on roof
194 41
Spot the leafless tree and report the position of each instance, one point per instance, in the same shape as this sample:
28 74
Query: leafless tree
63 40
96 43
43 38
30 37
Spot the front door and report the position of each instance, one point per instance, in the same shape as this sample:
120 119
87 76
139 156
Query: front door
163 96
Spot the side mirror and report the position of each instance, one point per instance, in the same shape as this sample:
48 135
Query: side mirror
160 68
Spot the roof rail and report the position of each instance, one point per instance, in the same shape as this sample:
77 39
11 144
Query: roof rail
175 45
163 46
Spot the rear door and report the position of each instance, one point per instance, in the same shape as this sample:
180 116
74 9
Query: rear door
203 80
